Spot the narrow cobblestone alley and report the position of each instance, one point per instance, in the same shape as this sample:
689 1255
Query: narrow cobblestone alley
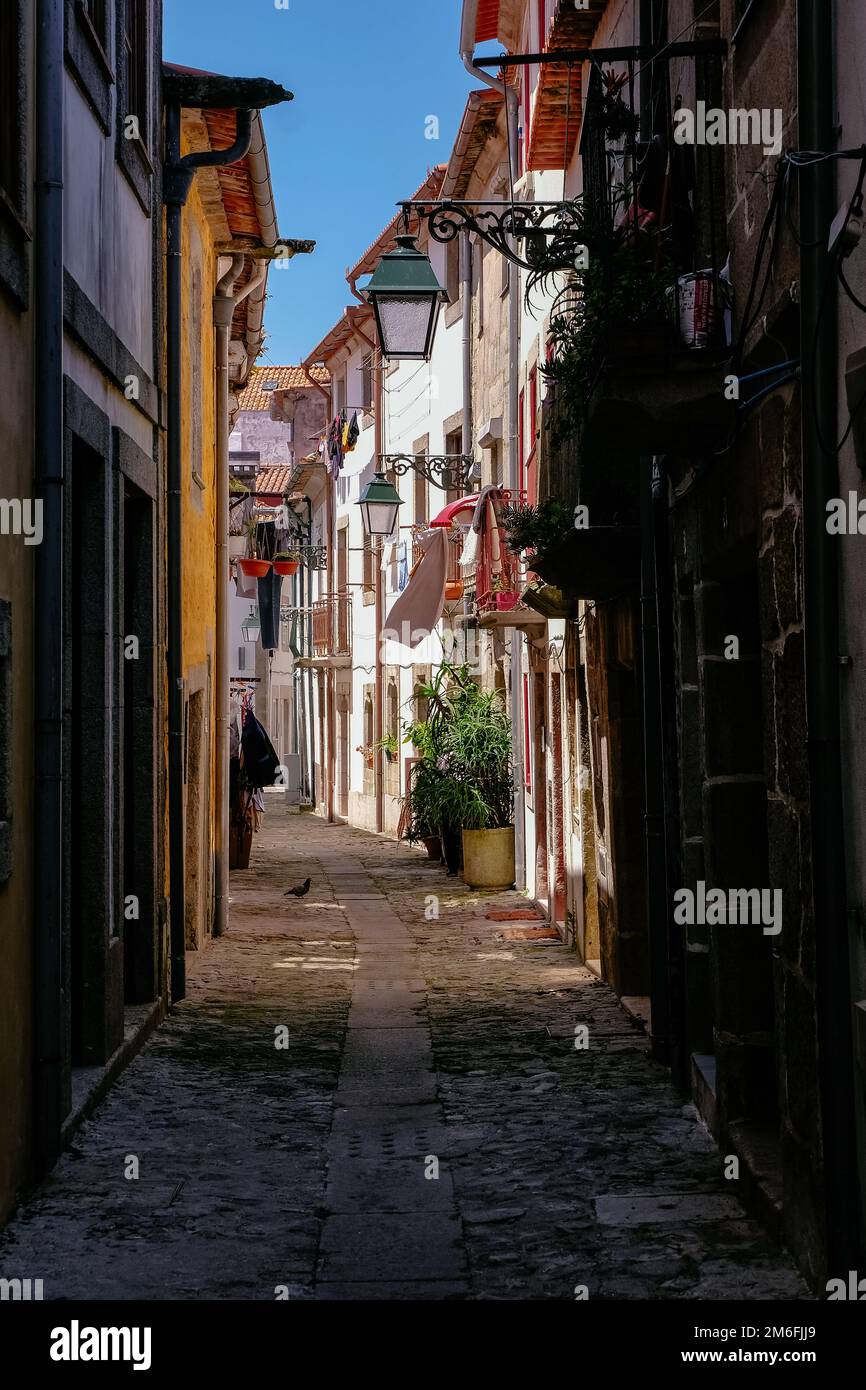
308 1171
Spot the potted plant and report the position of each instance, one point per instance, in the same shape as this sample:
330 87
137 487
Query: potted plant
463 784
251 564
391 745
286 562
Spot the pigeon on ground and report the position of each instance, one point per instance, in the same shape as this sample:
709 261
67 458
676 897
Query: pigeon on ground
301 891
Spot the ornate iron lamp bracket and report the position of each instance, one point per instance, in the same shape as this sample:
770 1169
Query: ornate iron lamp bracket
442 470
551 234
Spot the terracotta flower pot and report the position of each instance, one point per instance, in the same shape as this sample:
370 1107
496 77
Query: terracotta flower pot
454 590
287 567
256 569
506 599
433 846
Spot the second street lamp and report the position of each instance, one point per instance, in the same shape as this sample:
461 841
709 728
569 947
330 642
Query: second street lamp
406 298
379 503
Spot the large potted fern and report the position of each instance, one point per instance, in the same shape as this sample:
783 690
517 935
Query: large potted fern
464 787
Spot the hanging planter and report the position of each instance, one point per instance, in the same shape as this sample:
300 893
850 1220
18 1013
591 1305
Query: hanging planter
453 590
255 569
269 588
286 567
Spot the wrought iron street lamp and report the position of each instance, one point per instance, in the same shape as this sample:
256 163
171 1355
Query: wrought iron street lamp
251 627
379 503
406 298
442 470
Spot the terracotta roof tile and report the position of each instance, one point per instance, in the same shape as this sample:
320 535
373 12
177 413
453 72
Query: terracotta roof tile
286 378
273 482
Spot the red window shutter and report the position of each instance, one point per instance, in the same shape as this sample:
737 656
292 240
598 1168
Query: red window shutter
526 93
527 765
542 27
521 439
531 481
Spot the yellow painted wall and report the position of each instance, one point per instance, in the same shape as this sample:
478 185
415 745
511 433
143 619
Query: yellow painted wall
199 476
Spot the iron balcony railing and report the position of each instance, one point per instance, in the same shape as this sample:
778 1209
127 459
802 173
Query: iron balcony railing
332 625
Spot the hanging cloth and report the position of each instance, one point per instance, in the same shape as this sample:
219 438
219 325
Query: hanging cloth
350 434
335 445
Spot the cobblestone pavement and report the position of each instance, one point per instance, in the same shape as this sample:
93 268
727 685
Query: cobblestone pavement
414 1046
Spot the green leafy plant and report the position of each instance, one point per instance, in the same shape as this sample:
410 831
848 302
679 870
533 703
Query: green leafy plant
540 528
615 116
463 779
615 297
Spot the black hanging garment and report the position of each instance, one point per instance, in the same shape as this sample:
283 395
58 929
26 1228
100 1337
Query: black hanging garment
260 760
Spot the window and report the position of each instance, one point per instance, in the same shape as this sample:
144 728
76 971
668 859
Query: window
5 740
340 393
496 465
479 258
453 445
369 576
242 658
88 54
11 114
367 382
524 148
531 481
97 13
135 54
542 26
527 761
452 270
420 499
521 439
135 44
14 262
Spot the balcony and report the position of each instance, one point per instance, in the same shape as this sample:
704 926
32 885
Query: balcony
643 339
498 581
555 124
332 632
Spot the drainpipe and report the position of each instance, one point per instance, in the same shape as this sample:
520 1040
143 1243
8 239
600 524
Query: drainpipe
654 822
178 175
512 104
466 278
224 303
52 1099
816 70
379 713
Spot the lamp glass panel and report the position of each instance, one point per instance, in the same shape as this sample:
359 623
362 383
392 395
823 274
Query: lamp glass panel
405 324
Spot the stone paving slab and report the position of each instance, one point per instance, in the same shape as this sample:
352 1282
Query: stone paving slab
364 1247
408 1039
368 1185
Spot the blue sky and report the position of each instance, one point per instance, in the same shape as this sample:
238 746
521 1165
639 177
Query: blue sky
365 75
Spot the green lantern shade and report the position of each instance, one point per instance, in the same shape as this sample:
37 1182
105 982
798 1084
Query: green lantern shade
379 503
406 298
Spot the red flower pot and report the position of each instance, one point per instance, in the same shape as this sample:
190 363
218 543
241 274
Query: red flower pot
287 566
506 599
256 569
